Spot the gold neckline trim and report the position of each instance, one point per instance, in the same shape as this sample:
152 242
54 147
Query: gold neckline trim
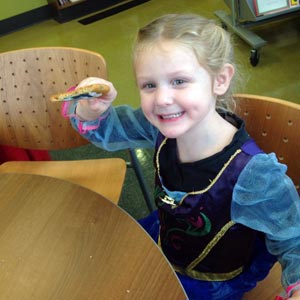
211 183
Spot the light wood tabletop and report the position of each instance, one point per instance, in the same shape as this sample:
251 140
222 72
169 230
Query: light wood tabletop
104 176
60 241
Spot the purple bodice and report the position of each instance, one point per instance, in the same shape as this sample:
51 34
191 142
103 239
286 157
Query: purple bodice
197 234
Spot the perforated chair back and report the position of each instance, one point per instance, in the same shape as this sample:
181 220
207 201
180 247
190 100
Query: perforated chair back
275 126
28 77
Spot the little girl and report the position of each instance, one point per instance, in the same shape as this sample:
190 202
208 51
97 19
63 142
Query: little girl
226 211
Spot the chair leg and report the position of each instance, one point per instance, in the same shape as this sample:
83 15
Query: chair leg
140 177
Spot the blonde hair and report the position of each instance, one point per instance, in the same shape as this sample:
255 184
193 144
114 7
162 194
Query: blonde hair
210 43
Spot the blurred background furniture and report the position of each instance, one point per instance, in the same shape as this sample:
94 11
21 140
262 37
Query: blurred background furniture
29 120
245 14
63 241
274 124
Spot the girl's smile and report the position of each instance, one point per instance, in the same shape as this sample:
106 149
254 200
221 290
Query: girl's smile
171 117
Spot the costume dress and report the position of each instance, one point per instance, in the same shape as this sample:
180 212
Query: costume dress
220 221
210 252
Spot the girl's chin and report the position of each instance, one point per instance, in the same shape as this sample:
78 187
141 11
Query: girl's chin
171 134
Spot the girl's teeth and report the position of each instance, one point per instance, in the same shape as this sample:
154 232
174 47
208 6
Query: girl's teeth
171 116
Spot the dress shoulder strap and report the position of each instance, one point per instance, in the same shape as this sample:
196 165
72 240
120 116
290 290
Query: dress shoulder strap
250 147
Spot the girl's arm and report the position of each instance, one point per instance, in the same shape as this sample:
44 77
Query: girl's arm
266 200
110 128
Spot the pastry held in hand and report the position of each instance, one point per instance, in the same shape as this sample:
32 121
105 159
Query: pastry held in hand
85 92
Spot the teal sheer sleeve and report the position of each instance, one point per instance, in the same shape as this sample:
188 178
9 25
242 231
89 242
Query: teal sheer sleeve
266 200
121 127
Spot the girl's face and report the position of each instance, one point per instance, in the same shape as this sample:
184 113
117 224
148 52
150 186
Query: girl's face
177 94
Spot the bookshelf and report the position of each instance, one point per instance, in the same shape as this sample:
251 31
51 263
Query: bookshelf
247 13
63 4
66 10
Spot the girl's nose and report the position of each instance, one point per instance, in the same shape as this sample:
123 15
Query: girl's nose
163 96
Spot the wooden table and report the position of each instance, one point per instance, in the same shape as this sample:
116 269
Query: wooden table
60 241
104 176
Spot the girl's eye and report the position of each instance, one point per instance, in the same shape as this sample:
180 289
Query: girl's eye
178 82
148 86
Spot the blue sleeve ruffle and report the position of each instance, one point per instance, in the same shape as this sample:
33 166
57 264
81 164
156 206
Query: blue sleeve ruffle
121 127
265 199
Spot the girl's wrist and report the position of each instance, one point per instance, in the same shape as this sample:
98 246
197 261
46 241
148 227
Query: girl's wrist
84 116
293 288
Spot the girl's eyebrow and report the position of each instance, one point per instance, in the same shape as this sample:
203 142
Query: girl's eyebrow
143 80
180 72
142 77
171 74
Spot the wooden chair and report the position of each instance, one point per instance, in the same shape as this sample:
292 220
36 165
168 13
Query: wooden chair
274 124
29 120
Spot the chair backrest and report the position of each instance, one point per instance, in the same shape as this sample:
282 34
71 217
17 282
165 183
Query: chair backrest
28 77
275 126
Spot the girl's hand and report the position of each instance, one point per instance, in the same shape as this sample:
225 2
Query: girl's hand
295 296
91 109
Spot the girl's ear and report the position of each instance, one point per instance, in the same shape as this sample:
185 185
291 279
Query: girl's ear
223 79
